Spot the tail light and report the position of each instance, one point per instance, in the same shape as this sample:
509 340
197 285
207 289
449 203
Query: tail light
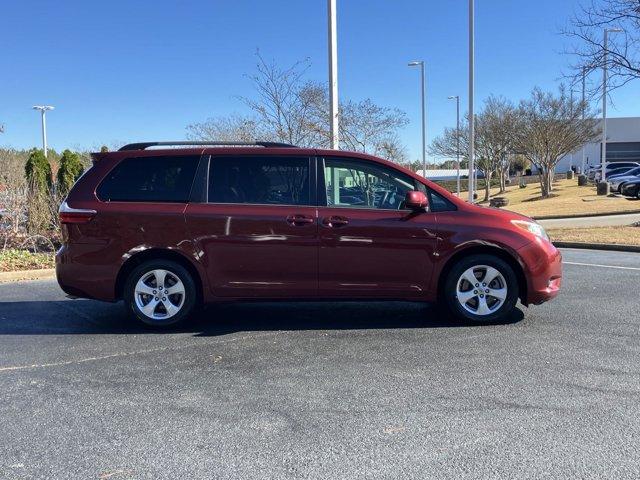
74 215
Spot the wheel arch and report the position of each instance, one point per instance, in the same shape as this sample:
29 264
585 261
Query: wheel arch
157 254
495 250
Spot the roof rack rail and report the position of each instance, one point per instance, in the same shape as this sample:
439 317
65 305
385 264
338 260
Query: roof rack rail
145 145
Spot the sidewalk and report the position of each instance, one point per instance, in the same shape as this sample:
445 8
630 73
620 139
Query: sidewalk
601 221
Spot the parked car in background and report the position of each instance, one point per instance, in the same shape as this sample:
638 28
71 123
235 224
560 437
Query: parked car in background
618 171
618 167
631 188
616 181
168 229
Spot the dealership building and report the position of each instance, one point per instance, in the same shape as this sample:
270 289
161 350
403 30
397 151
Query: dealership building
623 144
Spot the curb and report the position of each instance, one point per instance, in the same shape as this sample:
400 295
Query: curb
587 215
39 274
599 246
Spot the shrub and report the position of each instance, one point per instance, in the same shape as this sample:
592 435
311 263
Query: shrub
38 171
69 171
15 259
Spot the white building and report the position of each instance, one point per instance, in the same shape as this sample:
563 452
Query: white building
623 144
443 173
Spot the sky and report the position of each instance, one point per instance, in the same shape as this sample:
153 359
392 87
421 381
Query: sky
126 70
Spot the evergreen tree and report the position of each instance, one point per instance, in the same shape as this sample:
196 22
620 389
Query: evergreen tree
38 172
69 171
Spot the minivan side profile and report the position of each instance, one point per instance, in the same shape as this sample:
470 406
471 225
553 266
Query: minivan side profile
168 229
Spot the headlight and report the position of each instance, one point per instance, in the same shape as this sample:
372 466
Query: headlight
532 227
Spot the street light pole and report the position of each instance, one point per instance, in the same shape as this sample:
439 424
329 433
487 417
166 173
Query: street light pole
43 109
603 157
333 76
424 126
457 97
471 93
584 70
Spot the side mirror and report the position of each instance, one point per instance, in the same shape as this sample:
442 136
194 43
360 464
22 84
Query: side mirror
416 200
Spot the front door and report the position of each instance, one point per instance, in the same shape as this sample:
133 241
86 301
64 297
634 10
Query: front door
370 246
257 231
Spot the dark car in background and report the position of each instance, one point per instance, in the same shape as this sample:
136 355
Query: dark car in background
631 188
171 228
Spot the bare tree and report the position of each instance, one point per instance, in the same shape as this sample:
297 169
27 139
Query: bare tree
551 126
226 129
286 105
367 127
495 128
623 52
290 109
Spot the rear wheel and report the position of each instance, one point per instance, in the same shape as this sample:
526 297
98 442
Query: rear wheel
160 293
481 288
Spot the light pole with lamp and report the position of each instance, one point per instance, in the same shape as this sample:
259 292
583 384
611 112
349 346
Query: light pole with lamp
584 109
603 186
424 128
457 98
472 120
333 76
43 109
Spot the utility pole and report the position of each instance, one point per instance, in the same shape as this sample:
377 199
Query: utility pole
333 76
584 108
457 97
43 109
471 93
424 122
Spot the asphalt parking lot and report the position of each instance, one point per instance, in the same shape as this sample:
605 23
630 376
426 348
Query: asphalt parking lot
326 390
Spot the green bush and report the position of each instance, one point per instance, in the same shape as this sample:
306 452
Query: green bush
13 259
69 171
38 172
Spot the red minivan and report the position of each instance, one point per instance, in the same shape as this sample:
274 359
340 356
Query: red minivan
168 229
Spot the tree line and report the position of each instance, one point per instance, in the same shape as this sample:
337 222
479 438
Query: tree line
542 129
32 187
287 108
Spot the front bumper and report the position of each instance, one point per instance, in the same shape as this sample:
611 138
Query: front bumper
542 269
630 190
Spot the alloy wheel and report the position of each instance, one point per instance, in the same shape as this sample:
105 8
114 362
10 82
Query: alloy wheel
159 294
481 290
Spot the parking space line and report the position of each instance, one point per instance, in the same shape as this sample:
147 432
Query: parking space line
601 266
135 352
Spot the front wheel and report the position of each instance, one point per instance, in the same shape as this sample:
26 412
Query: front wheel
160 293
481 288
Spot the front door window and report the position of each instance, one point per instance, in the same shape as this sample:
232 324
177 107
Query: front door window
357 184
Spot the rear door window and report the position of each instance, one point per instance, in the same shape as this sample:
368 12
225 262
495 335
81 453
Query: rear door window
264 180
150 179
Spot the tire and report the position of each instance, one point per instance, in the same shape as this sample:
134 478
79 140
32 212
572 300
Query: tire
142 289
492 305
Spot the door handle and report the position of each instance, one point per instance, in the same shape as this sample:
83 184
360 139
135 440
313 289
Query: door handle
335 221
299 220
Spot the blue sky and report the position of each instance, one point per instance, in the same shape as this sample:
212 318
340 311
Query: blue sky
120 71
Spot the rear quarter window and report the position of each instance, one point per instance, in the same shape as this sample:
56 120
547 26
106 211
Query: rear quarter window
150 179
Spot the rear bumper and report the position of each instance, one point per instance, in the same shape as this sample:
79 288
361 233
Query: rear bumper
543 271
82 271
